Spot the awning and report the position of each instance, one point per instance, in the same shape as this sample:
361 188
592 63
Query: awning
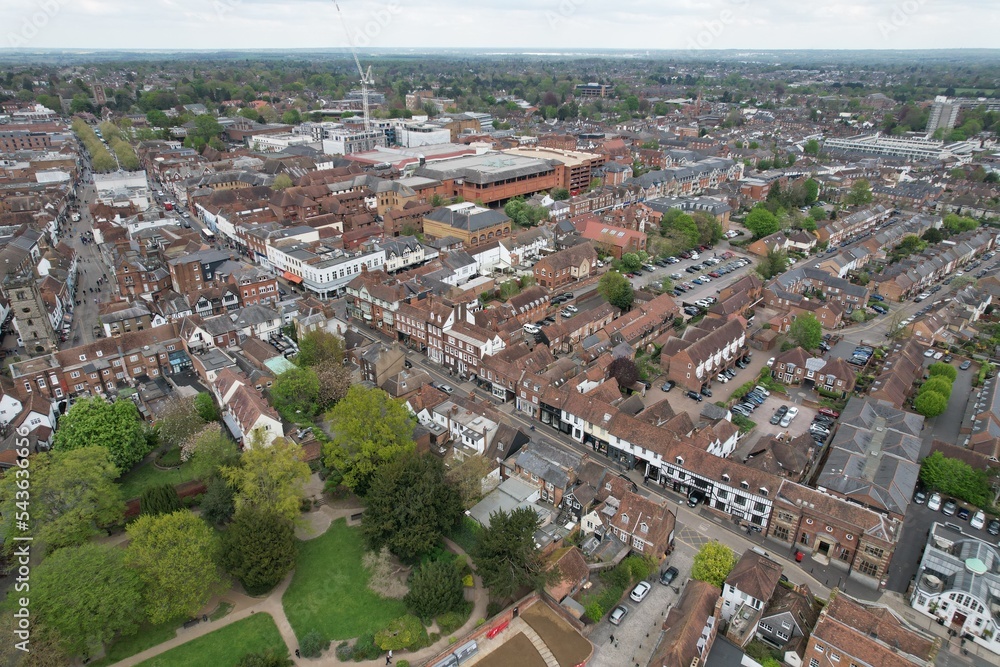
291 277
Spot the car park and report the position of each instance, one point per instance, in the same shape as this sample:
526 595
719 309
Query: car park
618 614
640 591
934 502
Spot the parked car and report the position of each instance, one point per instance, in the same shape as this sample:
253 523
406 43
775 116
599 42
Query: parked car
531 328
934 502
770 362
448 389
829 413
668 385
965 365
964 513
778 414
938 355
667 576
740 410
978 520
618 614
949 507
722 378
993 527
705 391
640 591
789 416
693 395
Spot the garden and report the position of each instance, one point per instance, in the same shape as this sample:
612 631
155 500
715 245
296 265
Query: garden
256 634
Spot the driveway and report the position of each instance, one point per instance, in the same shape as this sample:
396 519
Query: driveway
636 637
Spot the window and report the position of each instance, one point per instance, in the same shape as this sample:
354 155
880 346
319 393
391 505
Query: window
834 656
75 374
813 662
871 569
874 551
765 627
819 648
780 532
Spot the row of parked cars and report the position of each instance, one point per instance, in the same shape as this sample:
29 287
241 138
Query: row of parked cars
950 507
752 400
862 355
640 592
822 425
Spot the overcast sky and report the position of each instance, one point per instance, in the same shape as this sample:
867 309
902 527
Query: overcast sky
499 24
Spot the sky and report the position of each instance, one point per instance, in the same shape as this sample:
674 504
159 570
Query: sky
533 25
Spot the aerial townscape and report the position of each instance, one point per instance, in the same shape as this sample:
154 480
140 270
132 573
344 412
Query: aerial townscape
407 339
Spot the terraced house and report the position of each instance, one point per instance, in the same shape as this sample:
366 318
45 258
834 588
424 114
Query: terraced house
702 351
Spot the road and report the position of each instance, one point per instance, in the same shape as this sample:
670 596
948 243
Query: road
90 267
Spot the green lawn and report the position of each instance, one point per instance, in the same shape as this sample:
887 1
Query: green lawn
329 590
148 636
225 646
148 475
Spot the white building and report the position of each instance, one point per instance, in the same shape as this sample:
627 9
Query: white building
343 141
321 270
425 134
123 188
275 143
912 148
958 584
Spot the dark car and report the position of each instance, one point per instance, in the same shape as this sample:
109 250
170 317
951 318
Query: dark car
567 295
667 576
964 514
705 391
668 385
993 527
948 358
920 497
694 396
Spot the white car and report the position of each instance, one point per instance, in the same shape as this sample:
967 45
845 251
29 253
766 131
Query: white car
934 502
789 416
640 591
762 390
938 355
770 362
929 353
722 378
977 521
531 328
676 276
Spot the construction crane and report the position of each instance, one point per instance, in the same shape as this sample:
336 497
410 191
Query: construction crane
366 77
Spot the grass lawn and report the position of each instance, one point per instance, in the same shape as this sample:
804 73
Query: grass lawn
225 646
148 636
148 475
329 591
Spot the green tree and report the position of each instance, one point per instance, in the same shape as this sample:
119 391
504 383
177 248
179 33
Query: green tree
268 658
860 193
259 549
811 147
761 222
161 499
73 496
402 633
175 556
631 262
319 346
208 450
367 429
205 406
939 384
944 370
955 477
270 479
933 235
467 477
291 117
680 228
559 194
282 181
713 563
506 556
773 264
616 290
956 224
334 382
817 213
806 331
811 191
217 504
87 596
930 403
410 506
117 426
295 394
205 128
435 589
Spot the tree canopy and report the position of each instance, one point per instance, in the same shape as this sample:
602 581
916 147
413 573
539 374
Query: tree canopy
506 556
367 429
205 405
319 346
806 331
616 290
410 506
270 479
772 264
713 563
208 450
860 193
930 403
955 477
175 556
179 420
943 369
624 371
86 595
73 496
761 222
117 426
259 549
435 589
295 394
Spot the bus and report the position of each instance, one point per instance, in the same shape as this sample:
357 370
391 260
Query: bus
208 235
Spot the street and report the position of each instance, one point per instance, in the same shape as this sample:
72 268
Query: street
90 268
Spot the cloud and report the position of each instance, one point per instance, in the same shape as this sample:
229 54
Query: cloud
492 24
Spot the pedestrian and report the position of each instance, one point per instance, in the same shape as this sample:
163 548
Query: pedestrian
388 658
297 653
612 639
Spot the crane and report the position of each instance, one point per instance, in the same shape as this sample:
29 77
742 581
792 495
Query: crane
366 77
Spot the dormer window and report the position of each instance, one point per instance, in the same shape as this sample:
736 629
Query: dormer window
744 484
763 491
725 478
625 519
679 460
644 527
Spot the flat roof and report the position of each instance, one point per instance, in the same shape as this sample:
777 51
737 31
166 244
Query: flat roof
568 158
486 168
